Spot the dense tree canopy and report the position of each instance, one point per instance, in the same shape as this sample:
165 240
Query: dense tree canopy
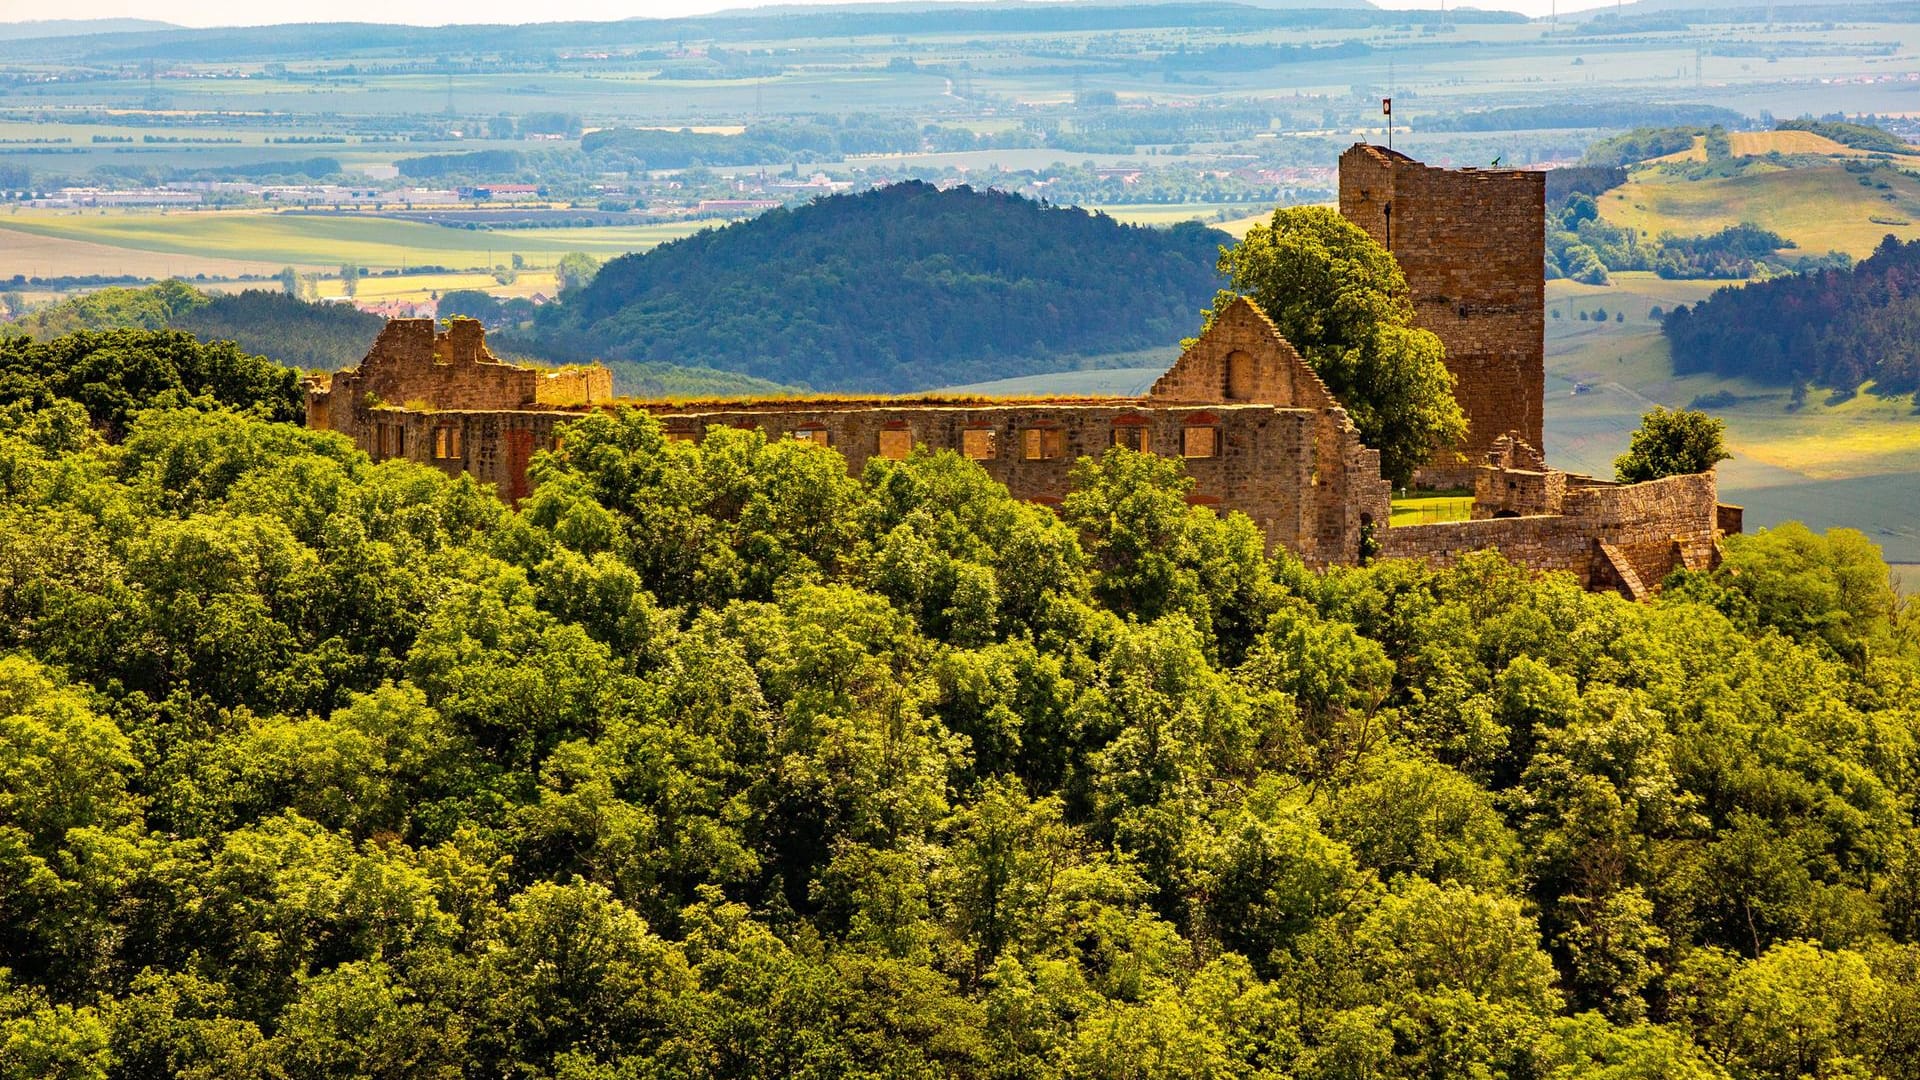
314 336
714 761
113 373
1672 442
886 290
1836 328
1338 296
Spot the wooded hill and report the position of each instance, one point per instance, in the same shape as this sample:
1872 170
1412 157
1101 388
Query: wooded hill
712 761
1833 328
324 337
900 288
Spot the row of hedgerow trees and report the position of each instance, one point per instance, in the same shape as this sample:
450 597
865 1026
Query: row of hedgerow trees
716 761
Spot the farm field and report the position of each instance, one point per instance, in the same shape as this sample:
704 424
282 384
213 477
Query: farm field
1821 209
1173 214
43 255
1854 463
421 287
327 241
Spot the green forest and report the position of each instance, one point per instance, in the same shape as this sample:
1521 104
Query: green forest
714 761
884 290
1836 328
323 337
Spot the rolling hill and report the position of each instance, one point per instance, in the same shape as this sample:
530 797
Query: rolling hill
1819 193
901 288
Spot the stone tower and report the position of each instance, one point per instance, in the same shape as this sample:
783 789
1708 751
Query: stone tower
1472 243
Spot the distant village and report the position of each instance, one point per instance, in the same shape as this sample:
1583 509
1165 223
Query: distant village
755 193
686 194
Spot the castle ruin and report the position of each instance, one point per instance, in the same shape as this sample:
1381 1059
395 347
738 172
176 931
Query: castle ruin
1258 431
1471 243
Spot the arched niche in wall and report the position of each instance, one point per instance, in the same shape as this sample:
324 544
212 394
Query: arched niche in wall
1239 375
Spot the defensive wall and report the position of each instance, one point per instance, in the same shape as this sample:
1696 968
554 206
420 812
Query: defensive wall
1624 538
1258 431
1472 243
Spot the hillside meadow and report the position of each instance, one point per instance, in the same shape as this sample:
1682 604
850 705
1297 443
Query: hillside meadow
1853 461
1821 208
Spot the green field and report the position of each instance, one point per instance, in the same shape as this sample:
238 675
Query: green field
1821 209
1428 509
1854 463
328 240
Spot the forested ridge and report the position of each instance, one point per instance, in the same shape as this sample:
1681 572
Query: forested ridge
325 337
713 761
901 288
1834 328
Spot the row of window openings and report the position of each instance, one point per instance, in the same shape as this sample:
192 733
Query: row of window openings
1036 444
448 443
390 441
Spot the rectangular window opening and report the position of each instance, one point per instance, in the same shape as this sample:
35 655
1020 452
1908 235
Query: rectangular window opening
979 444
1132 437
1200 442
896 443
1045 444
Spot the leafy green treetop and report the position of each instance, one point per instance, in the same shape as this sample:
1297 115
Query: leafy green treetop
575 270
1338 296
1672 442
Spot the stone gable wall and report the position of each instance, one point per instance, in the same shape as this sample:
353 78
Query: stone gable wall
1472 243
1242 336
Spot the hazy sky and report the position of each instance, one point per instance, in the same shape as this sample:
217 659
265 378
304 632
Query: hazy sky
433 12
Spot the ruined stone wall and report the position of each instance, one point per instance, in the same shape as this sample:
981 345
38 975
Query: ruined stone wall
1652 529
1256 428
1269 463
1242 357
574 387
1472 244
1266 464
1499 492
411 362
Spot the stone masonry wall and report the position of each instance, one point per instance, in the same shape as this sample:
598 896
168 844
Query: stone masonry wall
574 386
1257 430
410 362
1268 463
1657 527
1242 357
1472 245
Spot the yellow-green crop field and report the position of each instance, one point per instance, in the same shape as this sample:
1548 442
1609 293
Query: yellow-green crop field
430 286
1821 209
328 240
1173 214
